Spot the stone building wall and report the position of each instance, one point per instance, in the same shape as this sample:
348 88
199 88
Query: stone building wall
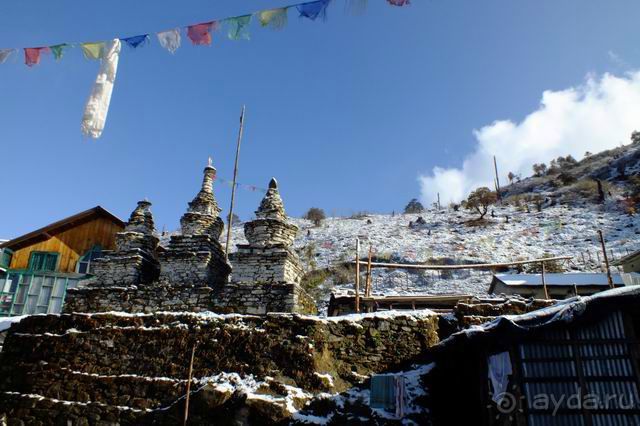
131 369
261 298
265 265
144 299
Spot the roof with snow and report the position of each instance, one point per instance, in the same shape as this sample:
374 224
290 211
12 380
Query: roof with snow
568 280
575 309
626 258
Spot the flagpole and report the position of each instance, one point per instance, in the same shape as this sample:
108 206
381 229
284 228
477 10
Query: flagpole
233 187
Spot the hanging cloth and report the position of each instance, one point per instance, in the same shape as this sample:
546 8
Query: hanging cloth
239 27
383 391
314 9
200 34
93 50
400 396
170 40
499 372
58 50
32 55
274 18
4 54
95 112
136 41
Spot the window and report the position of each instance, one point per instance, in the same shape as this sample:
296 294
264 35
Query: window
84 264
43 261
5 257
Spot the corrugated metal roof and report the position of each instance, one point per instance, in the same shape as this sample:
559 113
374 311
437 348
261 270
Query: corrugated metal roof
569 279
592 364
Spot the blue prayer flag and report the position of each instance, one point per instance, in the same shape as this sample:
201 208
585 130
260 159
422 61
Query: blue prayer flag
314 9
136 41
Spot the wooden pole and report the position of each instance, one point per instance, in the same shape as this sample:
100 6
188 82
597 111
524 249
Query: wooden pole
367 291
495 168
233 188
357 275
186 402
544 283
606 259
438 201
456 267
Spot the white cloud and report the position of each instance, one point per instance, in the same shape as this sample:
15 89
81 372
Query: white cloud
597 115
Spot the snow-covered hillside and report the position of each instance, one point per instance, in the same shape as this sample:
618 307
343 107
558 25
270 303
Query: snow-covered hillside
446 237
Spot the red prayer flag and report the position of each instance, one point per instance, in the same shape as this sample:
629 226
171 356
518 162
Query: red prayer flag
32 55
200 34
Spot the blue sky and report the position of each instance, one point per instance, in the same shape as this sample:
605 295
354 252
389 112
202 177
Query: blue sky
346 114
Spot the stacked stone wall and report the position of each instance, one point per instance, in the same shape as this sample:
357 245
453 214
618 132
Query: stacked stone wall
141 299
133 367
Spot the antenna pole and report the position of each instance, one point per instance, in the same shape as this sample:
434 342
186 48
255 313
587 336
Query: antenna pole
233 187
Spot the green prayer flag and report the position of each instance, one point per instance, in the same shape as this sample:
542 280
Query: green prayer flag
58 49
92 50
239 27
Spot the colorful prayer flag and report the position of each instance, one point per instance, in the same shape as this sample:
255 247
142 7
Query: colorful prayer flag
314 9
274 18
57 50
170 40
136 41
32 55
4 54
200 34
92 50
239 27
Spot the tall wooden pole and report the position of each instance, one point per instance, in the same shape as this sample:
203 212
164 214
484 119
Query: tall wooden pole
367 291
357 275
606 259
495 167
233 188
186 402
544 283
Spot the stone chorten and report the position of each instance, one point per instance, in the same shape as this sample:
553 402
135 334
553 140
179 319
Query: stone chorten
266 272
134 261
196 257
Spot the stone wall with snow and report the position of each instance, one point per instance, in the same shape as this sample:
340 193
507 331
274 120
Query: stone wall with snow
116 367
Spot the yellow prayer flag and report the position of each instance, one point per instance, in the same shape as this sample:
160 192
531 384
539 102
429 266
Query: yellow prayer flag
92 50
274 18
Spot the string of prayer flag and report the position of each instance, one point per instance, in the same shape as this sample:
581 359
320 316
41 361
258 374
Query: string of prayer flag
108 52
199 34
